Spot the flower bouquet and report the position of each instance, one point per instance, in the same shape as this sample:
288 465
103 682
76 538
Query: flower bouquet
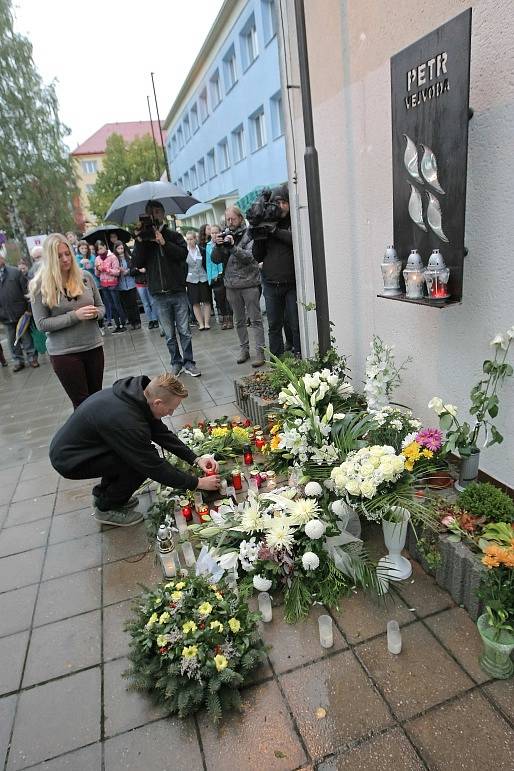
223 440
382 374
193 644
288 541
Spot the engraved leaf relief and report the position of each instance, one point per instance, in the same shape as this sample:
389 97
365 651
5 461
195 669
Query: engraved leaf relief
410 159
435 217
416 207
429 169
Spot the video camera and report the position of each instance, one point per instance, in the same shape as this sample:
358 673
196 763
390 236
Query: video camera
263 216
148 227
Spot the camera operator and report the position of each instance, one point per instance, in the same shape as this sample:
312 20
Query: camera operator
273 247
233 249
163 253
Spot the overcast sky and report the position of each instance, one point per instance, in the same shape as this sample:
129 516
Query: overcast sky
102 52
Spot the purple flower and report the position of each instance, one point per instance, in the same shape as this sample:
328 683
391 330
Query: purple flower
431 438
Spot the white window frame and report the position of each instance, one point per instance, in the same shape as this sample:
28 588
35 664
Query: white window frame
90 166
215 84
202 177
211 164
203 101
258 129
238 143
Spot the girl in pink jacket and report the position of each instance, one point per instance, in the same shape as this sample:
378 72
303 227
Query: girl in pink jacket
107 268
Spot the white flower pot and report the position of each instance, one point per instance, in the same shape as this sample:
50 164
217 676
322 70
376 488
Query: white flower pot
398 568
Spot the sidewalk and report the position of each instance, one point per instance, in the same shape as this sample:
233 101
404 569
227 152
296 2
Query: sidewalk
66 585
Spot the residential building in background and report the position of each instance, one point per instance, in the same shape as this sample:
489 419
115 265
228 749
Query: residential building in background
89 156
225 128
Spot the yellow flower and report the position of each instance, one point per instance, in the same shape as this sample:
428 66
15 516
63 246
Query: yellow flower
169 585
221 662
218 595
219 431
205 608
180 585
275 429
427 453
217 625
151 621
189 652
234 624
490 562
176 596
214 587
241 434
275 442
189 626
161 640
164 618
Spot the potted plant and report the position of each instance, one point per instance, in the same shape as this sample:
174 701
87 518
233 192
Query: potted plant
462 436
486 502
496 625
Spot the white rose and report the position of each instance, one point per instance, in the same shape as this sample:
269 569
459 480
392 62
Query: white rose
451 409
368 489
315 529
310 561
260 583
510 333
367 469
500 340
436 404
353 487
313 489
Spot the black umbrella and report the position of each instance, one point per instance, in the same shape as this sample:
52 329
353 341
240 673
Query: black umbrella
102 233
130 204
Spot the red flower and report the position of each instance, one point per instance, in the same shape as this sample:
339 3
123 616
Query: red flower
247 423
164 649
217 649
201 626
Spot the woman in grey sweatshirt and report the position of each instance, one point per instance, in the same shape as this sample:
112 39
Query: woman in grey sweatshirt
66 304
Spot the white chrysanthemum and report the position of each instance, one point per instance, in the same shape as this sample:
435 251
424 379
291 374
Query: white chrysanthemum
310 561
313 489
408 439
198 435
260 583
280 535
315 529
251 520
304 509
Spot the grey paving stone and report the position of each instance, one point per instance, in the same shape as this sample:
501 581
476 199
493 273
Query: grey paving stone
68 596
164 744
16 608
12 656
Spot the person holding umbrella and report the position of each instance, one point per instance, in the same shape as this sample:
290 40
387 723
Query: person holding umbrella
163 253
14 312
66 305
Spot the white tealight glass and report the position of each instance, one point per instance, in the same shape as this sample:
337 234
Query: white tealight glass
189 555
168 565
265 606
326 634
253 485
394 637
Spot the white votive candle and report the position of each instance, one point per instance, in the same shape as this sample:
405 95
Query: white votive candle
189 555
326 635
265 606
394 637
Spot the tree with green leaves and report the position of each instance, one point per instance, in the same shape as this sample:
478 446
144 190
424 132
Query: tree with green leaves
124 164
37 182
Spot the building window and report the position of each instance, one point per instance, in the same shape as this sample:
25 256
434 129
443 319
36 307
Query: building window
89 188
224 155
194 178
215 89
211 164
269 19
277 116
179 181
194 118
180 138
174 145
187 130
229 65
201 171
257 129
238 144
89 167
186 181
204 105
249 48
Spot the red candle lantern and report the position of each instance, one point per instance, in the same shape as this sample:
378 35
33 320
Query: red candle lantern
247 456
260 442
187 511
247 423
203 512
436 277
211 472
236 479
254 474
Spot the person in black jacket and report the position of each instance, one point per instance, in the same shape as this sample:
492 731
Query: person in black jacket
13 304
164 258
275 252
112 435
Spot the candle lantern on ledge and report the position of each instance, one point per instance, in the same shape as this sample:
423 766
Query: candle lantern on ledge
186 509
414 275
391 267
436 277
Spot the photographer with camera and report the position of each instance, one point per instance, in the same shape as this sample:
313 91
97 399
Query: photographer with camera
270 222
233 250
163 253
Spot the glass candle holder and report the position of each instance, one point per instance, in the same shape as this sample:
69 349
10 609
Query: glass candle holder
252 485
326 634
414 276
260 443
203 512
265 608
189 555
170 564
223 487
394 637
180 522
437 276
391 267
247 456
237 482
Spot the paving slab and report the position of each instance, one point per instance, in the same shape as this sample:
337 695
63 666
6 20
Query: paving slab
164 744
68 596
361 616
30 510
125 709
459 635
502 694
422 594
20 538
12 656
86 759
21 569
390 750
16 609
73 556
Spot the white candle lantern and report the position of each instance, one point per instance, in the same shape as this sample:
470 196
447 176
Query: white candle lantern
391 267
436 277
326 634
189 555
414 275
264 601
394 637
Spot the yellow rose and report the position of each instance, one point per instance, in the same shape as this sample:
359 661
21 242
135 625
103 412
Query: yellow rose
189 626
234 624
189 652
176 596
151 621
214 587
165 617
180 585
217 625
221 662
218 595
205 608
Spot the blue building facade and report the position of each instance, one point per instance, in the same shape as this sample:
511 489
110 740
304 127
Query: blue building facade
226 130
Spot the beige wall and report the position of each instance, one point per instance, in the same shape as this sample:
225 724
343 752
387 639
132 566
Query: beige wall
350 44
84 179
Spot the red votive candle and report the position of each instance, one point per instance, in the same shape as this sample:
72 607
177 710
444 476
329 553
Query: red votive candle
236 479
